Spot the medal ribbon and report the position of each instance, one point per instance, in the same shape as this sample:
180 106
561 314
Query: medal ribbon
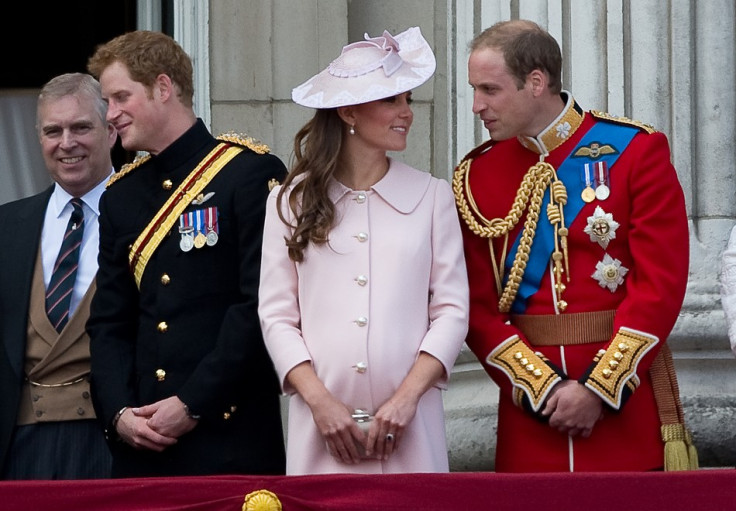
616 135
154 233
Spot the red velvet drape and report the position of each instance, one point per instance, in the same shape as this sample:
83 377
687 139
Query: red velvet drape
710 490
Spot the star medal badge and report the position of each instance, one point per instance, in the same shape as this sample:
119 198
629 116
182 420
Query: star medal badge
601 227
187 233
586 176
602 191
609 273
210 216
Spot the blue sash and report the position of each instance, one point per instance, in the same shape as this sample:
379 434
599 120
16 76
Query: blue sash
615 135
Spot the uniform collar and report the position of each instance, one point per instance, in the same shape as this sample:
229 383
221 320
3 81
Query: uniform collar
559 131
402 187
183 148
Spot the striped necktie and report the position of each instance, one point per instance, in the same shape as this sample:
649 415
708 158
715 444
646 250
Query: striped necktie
59 292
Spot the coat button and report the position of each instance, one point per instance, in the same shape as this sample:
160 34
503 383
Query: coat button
166 185
362 237
362 280
361 367
360 199
80 411
165 279
160 374
85 394
163 327
39 413
361 321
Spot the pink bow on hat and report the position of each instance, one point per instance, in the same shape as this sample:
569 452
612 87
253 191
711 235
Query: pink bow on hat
345 66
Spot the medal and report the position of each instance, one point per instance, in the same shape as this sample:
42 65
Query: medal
199 239
610 273
601 227
185 229
186 243
210 216
586 176
588 194
601 178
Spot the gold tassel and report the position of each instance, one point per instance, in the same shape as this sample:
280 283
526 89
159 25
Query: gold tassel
692 452
675 449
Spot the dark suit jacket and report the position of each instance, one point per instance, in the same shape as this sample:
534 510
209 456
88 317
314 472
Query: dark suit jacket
211 354
24 221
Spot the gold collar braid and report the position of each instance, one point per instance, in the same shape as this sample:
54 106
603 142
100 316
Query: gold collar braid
529 196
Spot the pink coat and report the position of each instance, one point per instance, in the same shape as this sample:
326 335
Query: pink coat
391 283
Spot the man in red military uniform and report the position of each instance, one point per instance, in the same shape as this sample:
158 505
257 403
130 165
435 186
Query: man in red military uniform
576 242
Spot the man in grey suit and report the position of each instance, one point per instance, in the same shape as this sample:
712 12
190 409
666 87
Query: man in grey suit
47 270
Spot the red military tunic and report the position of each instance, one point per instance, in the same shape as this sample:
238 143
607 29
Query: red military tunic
636 268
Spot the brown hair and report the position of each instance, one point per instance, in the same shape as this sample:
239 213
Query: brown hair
525 46
316 152
146 55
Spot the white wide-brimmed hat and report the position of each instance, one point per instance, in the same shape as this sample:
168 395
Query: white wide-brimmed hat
377 68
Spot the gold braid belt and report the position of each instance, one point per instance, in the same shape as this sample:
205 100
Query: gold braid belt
529 196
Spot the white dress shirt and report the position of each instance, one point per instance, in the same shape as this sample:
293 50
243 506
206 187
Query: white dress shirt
58 212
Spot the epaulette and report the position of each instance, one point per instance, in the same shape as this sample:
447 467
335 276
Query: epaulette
127 169
604 116
244 141
478 150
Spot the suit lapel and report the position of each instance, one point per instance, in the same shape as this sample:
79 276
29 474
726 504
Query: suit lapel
26 220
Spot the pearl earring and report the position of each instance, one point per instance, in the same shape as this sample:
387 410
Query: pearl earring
351 130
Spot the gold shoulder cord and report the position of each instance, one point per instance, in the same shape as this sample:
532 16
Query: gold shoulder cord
530 194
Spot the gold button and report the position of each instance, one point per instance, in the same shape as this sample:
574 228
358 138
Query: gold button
160 374
163 327
166 185
226 416
362 280
165 279
607 373
233 409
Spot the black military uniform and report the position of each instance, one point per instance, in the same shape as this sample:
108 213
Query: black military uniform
192 328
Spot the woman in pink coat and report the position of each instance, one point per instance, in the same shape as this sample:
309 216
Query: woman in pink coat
364 293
